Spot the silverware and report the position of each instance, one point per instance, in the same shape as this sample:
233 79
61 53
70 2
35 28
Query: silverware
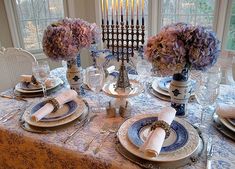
209 153
81 125
113 129
13 97
103 129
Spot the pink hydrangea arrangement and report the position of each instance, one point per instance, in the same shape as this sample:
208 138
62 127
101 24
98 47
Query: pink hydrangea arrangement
64 39
179 46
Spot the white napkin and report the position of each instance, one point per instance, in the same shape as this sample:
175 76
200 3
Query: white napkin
62 98
152 146
225 110
28 78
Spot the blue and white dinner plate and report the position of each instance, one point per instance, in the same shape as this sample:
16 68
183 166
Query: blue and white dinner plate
81 108
57 82
66 110
172 152
164 83
138 132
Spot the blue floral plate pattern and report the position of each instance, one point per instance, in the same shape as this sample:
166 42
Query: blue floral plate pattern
177 141
172 152
69 108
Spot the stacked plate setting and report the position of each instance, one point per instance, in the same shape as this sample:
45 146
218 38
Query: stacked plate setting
183 144
225 125
69 112
31 90
159 88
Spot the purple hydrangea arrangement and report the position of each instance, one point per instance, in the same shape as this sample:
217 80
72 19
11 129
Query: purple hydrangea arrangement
65 38
179 46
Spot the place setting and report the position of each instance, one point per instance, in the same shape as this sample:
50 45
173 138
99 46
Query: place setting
224 120
39 84
52 114
160 88
160 140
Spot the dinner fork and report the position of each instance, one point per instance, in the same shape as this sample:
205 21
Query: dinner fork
81 125
210 151
113 129
103 129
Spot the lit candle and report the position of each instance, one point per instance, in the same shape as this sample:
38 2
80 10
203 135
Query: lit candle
107 9
142 12
112 9
127 8
102 9
121 3
117 11
143 8
132 9
137 6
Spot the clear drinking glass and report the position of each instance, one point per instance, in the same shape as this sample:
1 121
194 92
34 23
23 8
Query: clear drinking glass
207 92
41 72
95 80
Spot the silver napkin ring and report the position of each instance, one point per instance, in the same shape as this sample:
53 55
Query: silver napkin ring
55 104
164 125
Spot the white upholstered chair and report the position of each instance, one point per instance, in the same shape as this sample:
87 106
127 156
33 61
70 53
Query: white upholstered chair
13 63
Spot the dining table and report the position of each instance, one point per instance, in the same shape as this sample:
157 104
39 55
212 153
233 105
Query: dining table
21 149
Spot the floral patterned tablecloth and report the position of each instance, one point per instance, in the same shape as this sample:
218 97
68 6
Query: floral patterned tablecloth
22 149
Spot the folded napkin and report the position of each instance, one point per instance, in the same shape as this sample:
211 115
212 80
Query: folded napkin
62 98
29 78
152 146
26 78
225 110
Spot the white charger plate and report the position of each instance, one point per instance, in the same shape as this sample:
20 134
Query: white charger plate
82 109
188 149
58 82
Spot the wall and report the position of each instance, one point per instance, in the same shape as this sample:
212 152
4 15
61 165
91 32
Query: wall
5 35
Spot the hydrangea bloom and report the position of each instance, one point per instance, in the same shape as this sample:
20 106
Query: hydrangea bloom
64 39
180 45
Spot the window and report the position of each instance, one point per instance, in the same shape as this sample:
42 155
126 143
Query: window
196 12
230 36
32 17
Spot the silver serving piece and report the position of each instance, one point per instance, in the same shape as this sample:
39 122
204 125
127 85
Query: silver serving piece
123 80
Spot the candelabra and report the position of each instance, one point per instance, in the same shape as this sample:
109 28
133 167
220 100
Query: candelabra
122 39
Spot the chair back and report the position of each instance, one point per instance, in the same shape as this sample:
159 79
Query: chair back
14 62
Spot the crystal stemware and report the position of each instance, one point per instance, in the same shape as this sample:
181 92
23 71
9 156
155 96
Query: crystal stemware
41 72
95 80
207 92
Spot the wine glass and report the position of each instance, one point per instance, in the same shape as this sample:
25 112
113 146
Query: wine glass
41 72
207 92
95 80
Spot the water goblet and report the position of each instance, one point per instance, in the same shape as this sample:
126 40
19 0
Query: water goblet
95 80
41 72
207 92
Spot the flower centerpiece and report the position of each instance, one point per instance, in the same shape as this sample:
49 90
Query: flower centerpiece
64 39
177 49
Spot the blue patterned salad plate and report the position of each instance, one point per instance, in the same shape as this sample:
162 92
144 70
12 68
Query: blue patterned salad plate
138 131
66 110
